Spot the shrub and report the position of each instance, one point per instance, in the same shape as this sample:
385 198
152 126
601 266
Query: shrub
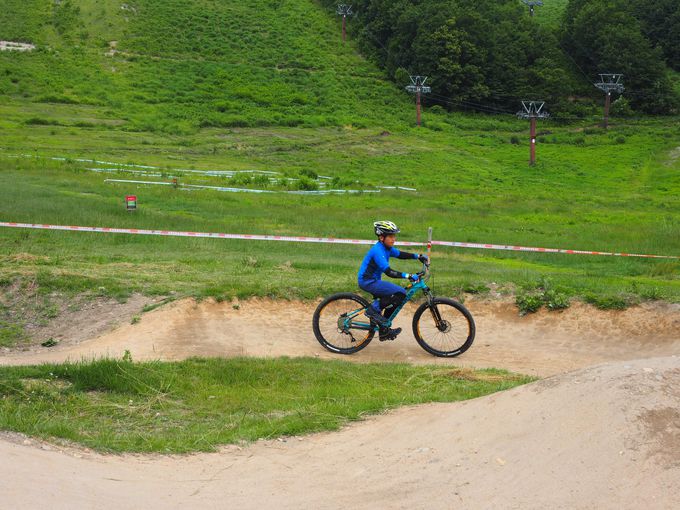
555 300
306 184
308 172
39 121
528 303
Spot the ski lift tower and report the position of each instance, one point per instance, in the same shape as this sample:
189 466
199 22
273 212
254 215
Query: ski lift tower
344 10
418 87
532 4
532 110
609 83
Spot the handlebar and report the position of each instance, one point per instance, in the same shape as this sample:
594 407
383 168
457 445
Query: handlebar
422 275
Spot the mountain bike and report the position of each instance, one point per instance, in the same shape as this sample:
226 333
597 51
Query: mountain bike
441 326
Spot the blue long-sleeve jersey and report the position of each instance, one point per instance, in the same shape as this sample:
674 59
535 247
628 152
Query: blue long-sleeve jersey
376 262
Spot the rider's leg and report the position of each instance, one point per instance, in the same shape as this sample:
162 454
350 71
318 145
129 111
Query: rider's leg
382 293
385 294
389 303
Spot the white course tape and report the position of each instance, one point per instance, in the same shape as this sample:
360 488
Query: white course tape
251 237
546 250
328 240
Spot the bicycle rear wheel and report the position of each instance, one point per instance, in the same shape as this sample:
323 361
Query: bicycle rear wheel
340 325
445 329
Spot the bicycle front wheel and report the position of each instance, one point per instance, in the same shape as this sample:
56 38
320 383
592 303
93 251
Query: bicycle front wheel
340 325
444 328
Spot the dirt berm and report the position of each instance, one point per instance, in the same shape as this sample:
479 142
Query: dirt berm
542 344
604 437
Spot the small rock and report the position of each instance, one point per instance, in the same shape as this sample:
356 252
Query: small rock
500 461
648 370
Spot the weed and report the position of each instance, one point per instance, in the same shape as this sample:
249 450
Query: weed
152 306
611 302
532 297
475 288
528 303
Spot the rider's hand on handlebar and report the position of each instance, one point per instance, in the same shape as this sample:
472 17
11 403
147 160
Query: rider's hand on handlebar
424 259
414 277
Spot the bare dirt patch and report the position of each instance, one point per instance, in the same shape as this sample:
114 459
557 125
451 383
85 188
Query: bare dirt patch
65 320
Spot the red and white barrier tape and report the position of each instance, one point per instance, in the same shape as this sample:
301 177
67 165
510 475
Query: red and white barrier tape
251 237
329 240
547 250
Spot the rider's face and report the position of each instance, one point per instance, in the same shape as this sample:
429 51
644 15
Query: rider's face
389 240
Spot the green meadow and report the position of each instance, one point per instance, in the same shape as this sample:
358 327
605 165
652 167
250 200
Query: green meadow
267 85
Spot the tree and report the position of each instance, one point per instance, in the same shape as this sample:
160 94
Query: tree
604 36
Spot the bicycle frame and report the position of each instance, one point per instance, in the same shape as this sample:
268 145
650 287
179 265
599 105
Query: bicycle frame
411 290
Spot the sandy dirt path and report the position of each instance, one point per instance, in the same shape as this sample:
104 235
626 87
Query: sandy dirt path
540 344
605 437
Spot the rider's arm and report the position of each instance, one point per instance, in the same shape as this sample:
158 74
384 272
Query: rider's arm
395 274
384 266
405 255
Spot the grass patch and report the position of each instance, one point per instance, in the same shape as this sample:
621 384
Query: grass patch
11 333
199 404
532 297
611 302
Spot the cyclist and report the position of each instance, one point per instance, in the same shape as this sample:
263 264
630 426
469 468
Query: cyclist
386 295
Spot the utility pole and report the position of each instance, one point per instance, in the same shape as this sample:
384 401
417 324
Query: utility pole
344 10
532 110
532 4
609 83
418 87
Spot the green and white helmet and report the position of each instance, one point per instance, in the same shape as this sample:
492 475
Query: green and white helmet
383 228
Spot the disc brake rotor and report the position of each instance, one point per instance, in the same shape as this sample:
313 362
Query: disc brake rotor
444 326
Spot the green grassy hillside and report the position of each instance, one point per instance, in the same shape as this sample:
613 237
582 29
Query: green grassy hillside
174 65
267 85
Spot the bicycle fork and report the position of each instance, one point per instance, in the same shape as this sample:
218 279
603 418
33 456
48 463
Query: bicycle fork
434 311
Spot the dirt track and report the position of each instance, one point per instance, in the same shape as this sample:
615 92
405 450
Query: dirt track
542 344
603 437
